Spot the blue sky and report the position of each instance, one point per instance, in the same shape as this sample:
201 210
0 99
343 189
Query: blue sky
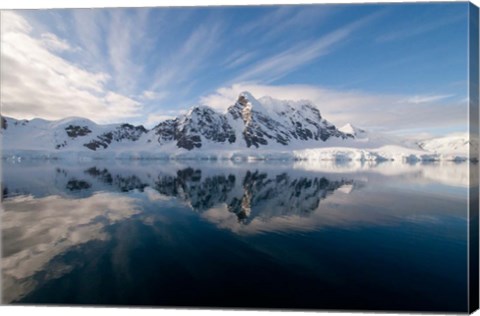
399 68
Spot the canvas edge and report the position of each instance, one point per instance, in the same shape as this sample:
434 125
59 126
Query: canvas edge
473 212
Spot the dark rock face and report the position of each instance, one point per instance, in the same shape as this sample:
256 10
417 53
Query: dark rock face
3 123
189 141
122 132
211 125
188 131
61 145
166 131
74 131
102 141
77 185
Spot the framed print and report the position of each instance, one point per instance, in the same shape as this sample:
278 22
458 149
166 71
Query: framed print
315 157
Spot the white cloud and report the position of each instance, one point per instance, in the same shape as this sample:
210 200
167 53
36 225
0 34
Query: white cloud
374 111
118 102
38 83
11 22
53 43
154 119
153 95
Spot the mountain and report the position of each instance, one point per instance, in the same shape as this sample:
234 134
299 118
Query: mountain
249 123
250 129
68 134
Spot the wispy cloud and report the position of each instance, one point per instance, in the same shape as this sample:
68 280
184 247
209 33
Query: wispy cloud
152 95
285 18
238 58
272 17
126 37
190 57
418 99
90 26
283 63
419 28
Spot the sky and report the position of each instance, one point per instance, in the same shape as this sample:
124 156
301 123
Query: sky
396 68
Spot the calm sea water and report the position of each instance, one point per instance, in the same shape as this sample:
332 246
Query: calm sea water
258 235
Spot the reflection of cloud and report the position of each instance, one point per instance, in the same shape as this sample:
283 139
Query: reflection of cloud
224 219
153 195
37 230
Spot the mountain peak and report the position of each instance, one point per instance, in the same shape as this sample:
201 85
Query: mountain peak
246 97
351 129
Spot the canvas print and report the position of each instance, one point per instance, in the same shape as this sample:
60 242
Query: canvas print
311 157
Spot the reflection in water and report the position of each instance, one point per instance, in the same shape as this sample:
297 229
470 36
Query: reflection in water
247 194
92 234
36 230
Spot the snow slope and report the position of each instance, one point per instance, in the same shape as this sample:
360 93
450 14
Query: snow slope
452 147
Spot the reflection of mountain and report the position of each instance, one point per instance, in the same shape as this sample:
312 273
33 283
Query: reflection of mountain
275 195
244 192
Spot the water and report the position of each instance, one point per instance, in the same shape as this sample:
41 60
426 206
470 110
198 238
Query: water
257 235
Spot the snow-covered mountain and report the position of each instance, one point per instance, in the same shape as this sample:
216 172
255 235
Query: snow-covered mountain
250 123
260 129
451 146
63 135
